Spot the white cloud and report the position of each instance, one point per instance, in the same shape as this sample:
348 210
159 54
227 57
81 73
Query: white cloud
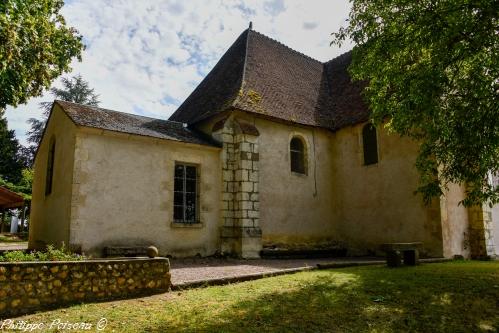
147 56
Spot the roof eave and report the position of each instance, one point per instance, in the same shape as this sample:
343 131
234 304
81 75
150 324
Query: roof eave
214 145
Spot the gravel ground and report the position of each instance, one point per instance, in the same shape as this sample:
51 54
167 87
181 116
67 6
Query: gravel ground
13 246
195 269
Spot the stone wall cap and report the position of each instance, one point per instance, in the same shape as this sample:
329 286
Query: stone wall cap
86 261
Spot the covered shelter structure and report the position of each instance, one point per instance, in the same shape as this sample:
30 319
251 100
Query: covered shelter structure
8 200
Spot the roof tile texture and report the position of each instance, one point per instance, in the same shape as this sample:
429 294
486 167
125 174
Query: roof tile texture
89 116
260 75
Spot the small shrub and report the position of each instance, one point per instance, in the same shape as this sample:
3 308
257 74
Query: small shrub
12 256
61 254
50 254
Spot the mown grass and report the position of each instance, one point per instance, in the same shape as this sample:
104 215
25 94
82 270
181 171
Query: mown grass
446 297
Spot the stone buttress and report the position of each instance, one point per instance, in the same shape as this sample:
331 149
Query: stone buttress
240 232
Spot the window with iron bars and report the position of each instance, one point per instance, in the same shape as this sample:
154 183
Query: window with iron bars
185 194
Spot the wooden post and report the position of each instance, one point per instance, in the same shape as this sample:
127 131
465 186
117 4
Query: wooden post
23 217
3 219
28 209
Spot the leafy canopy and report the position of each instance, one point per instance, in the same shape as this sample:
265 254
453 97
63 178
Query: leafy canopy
23 187
432 69
36 47
11 161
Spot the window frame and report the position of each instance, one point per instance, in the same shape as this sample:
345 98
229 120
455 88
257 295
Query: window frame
184 205
49 175
303 154
367 159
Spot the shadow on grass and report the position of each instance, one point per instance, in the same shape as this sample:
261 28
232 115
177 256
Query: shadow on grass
428 298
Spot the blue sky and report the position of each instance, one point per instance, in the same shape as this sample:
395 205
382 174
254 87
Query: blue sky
145 57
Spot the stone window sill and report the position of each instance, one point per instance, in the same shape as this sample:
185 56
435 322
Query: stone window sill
187 225
374 165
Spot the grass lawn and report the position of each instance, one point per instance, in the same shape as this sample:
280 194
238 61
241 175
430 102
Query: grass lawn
12 238
446 297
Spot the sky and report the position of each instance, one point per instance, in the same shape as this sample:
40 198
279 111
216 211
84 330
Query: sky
146 56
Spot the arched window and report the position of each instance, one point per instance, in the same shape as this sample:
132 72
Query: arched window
298 156
50 167
370 143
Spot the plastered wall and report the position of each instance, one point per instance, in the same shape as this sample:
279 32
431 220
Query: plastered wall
296 209
49 221
117 189
376 204
123 194
455 224
340 201
495 226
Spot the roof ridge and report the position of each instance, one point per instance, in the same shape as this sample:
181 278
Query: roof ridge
245 62
287 47
109 110
341 56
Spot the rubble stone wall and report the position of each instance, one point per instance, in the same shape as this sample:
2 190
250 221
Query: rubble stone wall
29 286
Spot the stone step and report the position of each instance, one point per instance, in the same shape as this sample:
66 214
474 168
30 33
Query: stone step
302 254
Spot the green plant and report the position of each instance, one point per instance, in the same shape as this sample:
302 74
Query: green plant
432 69
36 46
50 254
15 256
54 254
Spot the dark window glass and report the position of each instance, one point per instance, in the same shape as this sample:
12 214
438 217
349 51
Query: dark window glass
297 151
190 172
179 171
178 197
178 213
190 185
185 194
370 143
178 182
50 168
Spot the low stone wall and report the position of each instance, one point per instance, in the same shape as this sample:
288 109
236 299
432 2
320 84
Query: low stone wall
29 286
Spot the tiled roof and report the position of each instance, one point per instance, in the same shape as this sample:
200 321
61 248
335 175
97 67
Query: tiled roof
260 75
9 199
279 82
89 116
345 105
218 89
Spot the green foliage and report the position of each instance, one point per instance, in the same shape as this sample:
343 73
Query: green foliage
15 256
433 69
11 163
50 254
36 46
23 187
75 90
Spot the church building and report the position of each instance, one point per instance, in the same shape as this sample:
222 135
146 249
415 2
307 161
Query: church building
273 149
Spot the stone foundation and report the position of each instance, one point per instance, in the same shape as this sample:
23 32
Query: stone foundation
29 286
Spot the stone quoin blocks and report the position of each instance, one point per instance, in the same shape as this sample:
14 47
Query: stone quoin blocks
481 232
241 234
